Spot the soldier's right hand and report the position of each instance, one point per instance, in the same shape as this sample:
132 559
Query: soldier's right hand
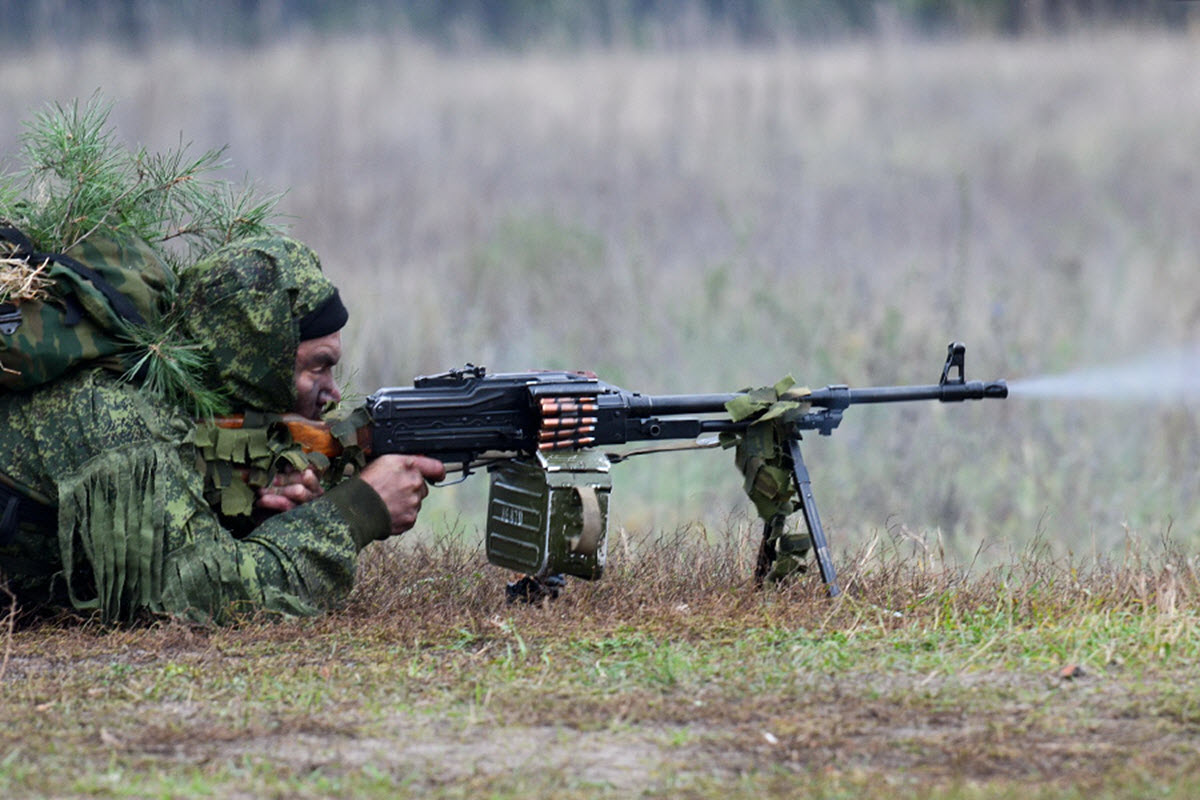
401 482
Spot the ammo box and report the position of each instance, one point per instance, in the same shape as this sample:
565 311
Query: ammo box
548 514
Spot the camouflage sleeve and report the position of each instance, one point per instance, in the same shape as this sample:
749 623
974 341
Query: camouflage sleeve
135 533
298 563
138 516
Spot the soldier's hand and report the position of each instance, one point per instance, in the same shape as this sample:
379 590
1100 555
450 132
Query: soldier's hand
290 489
401 481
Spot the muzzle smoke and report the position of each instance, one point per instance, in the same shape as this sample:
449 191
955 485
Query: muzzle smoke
1170 378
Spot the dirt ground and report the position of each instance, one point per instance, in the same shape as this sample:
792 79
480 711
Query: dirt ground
1066 728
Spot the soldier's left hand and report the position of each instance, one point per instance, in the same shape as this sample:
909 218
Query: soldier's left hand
290 489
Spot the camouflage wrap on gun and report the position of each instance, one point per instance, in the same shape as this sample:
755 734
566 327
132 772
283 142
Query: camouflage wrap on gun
762 456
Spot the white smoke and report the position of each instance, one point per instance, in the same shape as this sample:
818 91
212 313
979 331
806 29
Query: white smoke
1167 378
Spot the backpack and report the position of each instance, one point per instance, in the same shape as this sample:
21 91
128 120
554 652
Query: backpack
91 296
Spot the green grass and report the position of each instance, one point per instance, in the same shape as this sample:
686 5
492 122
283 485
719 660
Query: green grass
1043 676
697 222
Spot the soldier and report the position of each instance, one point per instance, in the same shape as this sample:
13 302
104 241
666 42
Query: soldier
123 528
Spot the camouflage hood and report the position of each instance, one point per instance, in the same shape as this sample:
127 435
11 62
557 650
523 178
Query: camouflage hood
243 305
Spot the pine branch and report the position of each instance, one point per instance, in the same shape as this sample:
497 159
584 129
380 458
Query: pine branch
174 369
78 181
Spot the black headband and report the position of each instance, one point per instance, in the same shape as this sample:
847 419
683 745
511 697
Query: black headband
327 318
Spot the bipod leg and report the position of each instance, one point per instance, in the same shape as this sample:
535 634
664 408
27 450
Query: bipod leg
766 553
808 504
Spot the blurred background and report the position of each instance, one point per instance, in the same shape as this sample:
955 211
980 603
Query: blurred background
704 195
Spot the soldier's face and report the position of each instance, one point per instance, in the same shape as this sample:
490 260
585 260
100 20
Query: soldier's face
315 385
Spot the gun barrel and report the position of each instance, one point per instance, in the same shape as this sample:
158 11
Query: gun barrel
997 390
844 396
828 397
667 405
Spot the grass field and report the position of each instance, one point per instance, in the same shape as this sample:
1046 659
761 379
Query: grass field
670 678
1021 619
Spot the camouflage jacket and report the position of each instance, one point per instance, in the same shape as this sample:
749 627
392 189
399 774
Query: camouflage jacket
134 532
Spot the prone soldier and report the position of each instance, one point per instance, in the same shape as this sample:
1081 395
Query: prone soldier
102 507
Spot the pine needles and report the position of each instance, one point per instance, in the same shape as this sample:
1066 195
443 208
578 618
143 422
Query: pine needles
77 179
173 368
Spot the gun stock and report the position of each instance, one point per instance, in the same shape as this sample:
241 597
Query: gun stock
313 436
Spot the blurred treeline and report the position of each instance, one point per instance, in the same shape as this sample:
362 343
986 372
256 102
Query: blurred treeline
518 24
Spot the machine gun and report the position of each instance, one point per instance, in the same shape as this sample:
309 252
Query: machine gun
541 434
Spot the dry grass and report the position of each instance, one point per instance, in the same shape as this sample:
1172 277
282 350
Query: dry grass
428 583
671 677
20 280
703 221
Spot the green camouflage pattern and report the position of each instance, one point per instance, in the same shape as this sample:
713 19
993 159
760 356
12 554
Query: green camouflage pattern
133 269
763 459
548 514
244 303
238 461
136 536
45 346
132 476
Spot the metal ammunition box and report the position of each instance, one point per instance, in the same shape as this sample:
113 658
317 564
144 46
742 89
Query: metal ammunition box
548 514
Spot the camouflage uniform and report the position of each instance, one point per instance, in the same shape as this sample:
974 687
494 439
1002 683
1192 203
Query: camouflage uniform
134 533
